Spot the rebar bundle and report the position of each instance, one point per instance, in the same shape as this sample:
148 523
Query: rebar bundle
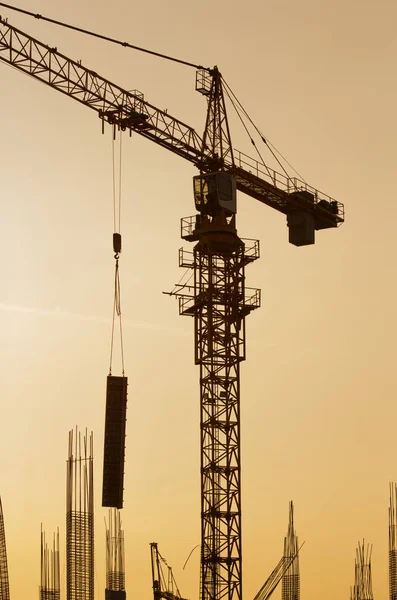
4 584
115 570
291 578
80 518
362 589
392 542
50 569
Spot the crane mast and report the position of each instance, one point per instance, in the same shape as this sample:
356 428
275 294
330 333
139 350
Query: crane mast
219 304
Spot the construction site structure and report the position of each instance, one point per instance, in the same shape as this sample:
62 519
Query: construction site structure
50 588
393 542
164 584
362 588
4 582
80 517
290 589
218 300
115 560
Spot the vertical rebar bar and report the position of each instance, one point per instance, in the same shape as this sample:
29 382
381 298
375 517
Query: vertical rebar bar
80 518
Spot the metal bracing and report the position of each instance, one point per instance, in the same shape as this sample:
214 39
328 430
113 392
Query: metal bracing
362 589
80 518
50 569
130 111
393 542
291 579
217 145
218 304
115 561
164 585
4 583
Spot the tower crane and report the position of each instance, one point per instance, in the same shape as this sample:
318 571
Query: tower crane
218 301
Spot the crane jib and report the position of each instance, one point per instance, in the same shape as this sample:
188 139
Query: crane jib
130 111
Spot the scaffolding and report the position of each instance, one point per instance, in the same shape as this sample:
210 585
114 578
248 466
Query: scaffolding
50 569
80 518
291 579
4 583
362 589
115 562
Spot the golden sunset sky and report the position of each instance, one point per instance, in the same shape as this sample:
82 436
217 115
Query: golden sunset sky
319 387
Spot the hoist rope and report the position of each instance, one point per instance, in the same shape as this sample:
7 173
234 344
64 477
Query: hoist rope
116 232
116 205
114 187
102 37
121 154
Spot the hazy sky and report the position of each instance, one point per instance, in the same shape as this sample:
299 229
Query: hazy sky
319 387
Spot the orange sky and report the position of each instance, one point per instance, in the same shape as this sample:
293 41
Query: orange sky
318 388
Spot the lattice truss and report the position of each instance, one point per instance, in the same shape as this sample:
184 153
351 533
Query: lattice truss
217 140
4 583
291 579
114 104
80 518
130 111
219 305
115 561
362 589
50 569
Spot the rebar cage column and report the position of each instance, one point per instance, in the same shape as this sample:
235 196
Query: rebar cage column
50 569
80 519
4 583
291 578
392 542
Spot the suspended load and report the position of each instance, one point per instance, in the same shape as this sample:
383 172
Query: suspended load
114 446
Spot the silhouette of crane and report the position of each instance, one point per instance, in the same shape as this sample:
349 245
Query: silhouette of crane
219 300
164 585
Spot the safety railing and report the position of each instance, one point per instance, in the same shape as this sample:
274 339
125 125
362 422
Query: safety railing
188 225
252 298
251 249
186 258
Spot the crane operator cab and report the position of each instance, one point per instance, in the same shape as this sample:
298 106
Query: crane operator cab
214 191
